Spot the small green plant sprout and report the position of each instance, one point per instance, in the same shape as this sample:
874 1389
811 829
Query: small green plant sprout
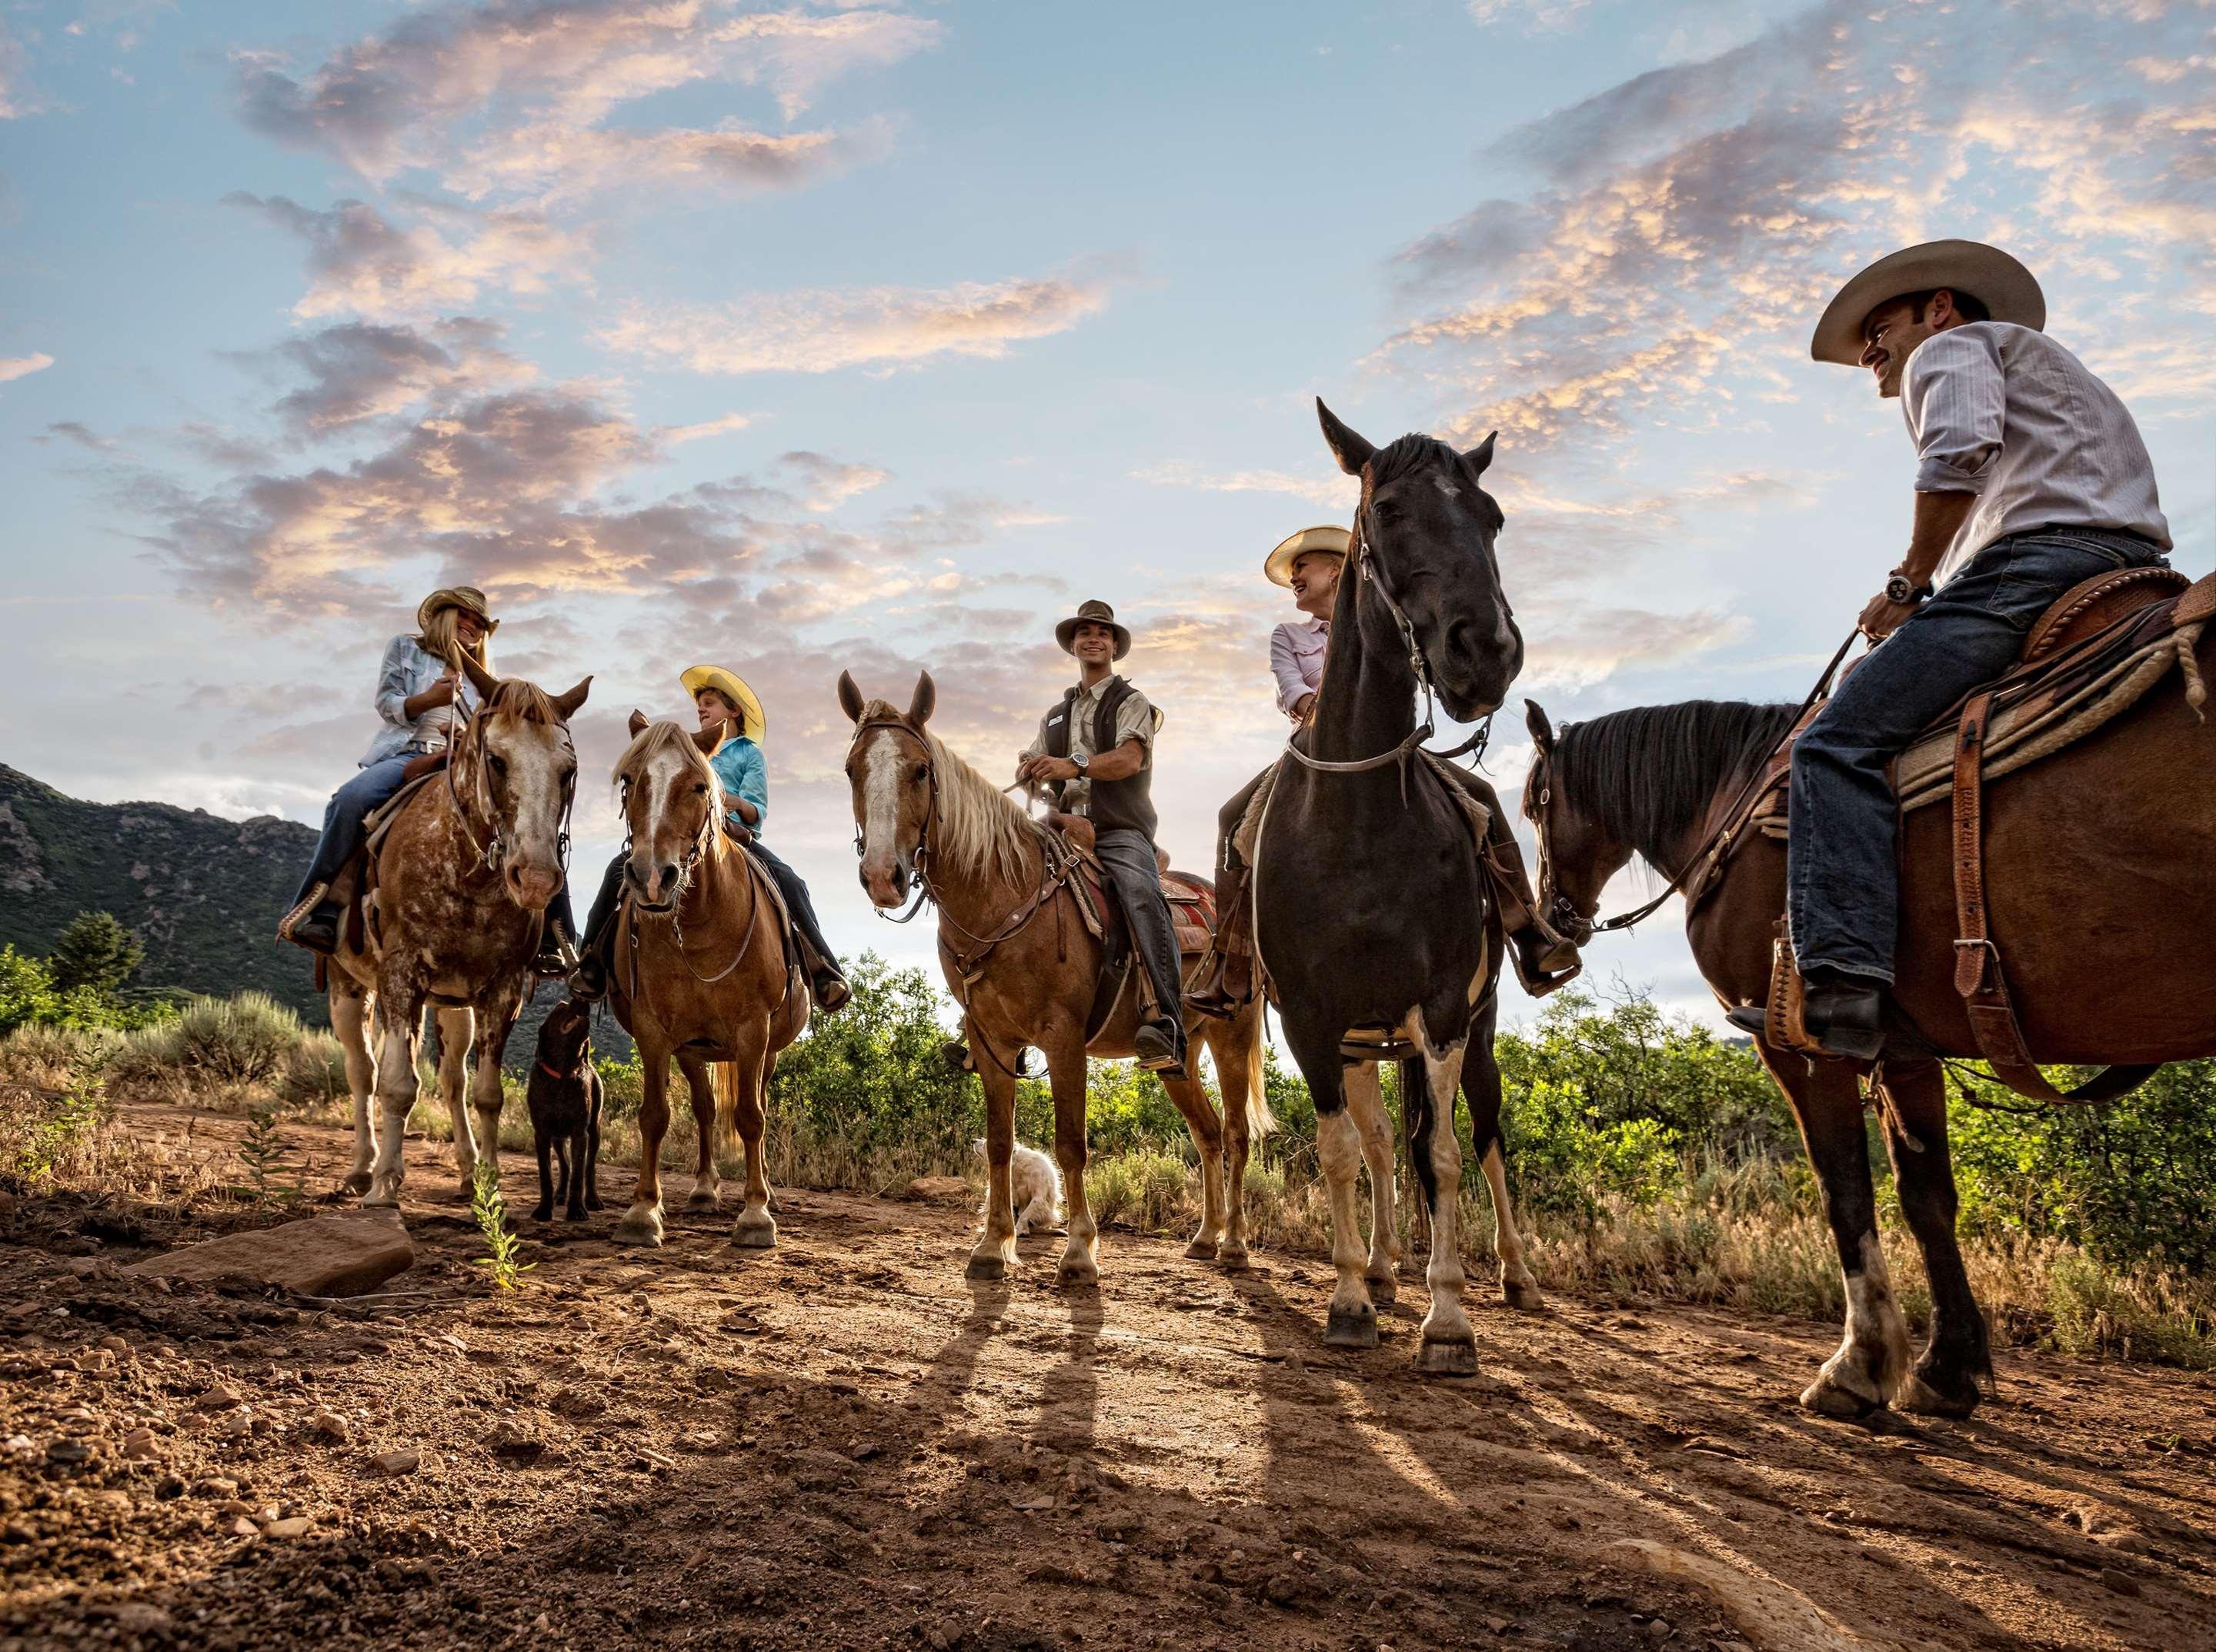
491 1212
63 1127
276 1177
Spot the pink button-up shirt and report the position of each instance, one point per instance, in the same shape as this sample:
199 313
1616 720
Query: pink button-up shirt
1297 659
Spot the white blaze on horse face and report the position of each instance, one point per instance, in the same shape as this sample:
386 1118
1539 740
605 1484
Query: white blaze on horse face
538 761
882 764
652 793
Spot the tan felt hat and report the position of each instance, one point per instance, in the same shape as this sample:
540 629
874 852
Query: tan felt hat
752 723
1093 612
455 596
1331 541
1996 280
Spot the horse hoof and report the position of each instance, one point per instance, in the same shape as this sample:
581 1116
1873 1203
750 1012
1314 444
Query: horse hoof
1384 1289
543 1213
755 1232
1077 1274
1350 1328
1233 1259
381 1199
1203 1250
1455 1358
1828 1398
639 1229
1523 1295
469 1190
702 1199
985 1268
357 1184
1926 1400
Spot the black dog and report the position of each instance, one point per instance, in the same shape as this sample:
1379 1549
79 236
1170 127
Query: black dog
565 1112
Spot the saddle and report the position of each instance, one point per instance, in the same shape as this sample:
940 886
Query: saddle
1193 915
351 889
2101 648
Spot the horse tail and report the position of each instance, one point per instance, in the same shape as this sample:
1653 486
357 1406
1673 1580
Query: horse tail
1260 1121
724 1078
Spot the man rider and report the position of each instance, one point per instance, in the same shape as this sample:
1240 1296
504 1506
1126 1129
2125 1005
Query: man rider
1094 752
2030 477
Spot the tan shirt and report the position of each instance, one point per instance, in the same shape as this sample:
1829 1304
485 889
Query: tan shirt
1136 719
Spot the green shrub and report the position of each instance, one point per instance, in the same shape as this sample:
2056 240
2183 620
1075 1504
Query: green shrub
95 952
249 1039
314 1072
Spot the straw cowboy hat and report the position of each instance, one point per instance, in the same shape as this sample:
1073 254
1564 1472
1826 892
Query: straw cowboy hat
2004 287
455 596
1331 541
1092 613
752 723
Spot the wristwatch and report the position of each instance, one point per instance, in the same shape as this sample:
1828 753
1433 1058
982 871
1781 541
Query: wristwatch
1080 760
1897 589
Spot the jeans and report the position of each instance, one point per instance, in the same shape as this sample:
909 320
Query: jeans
789 885
1842 896
350 806
1128 856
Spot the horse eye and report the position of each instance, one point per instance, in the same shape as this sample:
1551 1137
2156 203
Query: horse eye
500 767
919 773
700 790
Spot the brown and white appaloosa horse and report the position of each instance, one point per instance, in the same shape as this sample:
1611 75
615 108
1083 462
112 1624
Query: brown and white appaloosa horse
463 877
1026 968
700 973
2100 893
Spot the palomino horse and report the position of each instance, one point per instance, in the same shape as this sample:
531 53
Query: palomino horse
2101 887
700 972
464 875
1023 965
1372 911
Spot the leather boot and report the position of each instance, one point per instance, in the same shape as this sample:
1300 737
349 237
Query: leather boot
1230 980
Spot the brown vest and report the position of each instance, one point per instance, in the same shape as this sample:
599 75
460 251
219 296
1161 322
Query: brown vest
1129 803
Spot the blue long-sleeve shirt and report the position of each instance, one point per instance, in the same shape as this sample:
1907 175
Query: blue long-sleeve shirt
743 773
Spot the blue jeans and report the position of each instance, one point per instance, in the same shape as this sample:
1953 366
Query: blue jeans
1128 857
1842 895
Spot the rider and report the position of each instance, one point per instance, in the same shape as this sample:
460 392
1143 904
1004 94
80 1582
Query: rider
1095 753
2030 477
419 684
1310 565
721 696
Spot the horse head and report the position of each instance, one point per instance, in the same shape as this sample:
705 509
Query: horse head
1423 541
673 807
890 767
513 772
1577 854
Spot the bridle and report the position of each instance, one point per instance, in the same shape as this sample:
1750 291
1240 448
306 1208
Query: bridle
1367 569
711 824
921 859
494 848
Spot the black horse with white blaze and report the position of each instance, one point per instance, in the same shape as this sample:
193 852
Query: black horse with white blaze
1372 909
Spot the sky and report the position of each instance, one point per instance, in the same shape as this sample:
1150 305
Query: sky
876 336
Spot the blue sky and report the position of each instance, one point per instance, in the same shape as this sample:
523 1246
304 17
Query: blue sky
876 336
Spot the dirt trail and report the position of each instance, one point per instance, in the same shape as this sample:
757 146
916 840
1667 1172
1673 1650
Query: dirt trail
841 1444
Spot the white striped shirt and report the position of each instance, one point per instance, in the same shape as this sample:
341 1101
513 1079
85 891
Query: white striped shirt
2006 413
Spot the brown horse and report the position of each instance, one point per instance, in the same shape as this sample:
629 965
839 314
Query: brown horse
462 879
2100 880
1017 955
700 972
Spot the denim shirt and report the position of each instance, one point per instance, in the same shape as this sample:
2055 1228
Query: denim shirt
743 773
406 672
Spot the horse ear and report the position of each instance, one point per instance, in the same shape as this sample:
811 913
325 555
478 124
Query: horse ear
1543 732
1480 456
850 697
637 723
926 697
480 679
566 702
708 739
1350 449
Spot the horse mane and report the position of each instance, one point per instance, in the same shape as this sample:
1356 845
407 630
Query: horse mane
651 741
1646 776
515 697
1415 450
980 830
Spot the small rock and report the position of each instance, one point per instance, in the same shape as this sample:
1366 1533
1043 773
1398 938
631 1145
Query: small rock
331 1425
114 1344
68 1450
1658 1628
142 1617
2118 1582
140 1445
393 1465
296 1527
218 1398
936 1189
243 1527
94 1359
319 1256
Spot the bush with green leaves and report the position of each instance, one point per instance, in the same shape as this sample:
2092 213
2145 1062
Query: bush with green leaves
249 1039
29 996
95 951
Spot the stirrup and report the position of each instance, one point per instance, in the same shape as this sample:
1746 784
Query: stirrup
301 912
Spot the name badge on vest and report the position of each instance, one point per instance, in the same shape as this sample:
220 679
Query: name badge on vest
1051 721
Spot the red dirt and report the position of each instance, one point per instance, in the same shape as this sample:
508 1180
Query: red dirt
841 1444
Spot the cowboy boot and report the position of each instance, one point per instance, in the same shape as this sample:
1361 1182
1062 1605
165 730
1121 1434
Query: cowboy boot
1544 958
1230 980
556 960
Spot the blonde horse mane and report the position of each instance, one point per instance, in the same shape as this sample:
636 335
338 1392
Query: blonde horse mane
515 697
980 829
656 738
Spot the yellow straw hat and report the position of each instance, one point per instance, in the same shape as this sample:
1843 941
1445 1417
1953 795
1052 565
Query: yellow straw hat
1332 541
752 723
455 596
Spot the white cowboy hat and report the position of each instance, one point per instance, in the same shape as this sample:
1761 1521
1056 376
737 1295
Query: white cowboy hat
1278 564
2005 287
752 723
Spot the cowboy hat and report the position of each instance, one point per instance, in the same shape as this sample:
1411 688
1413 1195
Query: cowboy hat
752 723
455 596
2005 287
1330 541
1093 612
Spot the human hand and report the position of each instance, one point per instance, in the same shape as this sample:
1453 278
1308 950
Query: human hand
1882 617
1301 707
1043 768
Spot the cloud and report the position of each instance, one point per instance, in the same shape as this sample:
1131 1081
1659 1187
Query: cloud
824 330
1333 491
359 261
1574 646
549 161
18 367
829 482
1536 16
722 425
17 99
70 430
355 371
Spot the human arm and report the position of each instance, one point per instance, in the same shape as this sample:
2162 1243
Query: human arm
744 773
1955 397
1939 518
1293 690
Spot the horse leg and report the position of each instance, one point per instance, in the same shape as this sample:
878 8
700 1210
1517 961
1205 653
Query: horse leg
1065 1062
996 1242
1352 1322
1237 1074
707 1193
1192 1099
350 1024
1365 1104
1873 1354
495 1020
397 1025
1956 1370
641 1224
1449 1348
1481 1087
457 1029
755 1229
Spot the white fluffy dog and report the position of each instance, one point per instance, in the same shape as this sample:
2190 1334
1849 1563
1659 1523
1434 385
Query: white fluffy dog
1035 1182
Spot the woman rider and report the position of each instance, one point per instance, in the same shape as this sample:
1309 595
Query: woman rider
419 685
719 696
1310 565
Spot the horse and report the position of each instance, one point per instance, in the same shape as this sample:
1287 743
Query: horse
1019 958
2099 888
700 973
463 874
1372 908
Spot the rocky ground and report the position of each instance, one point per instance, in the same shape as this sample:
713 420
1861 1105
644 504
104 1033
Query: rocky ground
841 1444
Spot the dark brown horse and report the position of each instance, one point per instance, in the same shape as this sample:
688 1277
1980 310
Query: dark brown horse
2101 885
